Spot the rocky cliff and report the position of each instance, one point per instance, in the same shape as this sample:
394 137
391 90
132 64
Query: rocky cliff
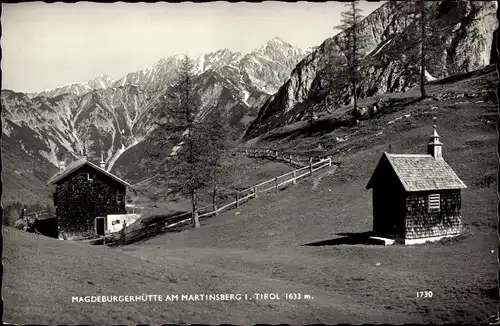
113 117
461 34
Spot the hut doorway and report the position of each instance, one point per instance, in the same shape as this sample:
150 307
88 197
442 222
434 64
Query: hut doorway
100 225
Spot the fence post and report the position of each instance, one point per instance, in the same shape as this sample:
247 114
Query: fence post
310 167
294 176
237 200
329 161
255 192
214 199
276 154
276 184
122 233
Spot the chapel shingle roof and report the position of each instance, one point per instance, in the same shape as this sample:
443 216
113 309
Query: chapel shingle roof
78 164
422 172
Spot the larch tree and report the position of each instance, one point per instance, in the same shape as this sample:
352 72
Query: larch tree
352 46
420 42
329 82
422 11
219 143
195 161
423 37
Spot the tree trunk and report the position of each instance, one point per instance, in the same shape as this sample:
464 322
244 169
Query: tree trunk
214 199
354 55
422 49
310 123
195 219
354 95
214 194
327 105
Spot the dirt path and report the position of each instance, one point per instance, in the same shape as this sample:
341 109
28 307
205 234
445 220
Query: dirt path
327 173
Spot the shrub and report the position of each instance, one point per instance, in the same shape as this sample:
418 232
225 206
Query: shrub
11 213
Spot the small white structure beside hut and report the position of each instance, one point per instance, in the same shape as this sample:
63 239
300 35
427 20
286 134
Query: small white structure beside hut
114 222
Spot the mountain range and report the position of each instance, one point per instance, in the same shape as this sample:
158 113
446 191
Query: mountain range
111 117
272 86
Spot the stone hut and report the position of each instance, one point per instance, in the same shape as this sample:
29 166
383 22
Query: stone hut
416 197
85 191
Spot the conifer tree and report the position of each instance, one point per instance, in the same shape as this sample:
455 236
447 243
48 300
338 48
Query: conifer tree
352 46
196 160
423 24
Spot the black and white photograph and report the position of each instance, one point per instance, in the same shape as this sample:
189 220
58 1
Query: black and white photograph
250 163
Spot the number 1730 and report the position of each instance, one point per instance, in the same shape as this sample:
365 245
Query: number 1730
424 294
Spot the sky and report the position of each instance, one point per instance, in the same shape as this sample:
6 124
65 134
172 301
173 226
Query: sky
47 45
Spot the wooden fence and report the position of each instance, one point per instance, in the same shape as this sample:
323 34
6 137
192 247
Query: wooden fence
307 167
253 192
38 214
289 157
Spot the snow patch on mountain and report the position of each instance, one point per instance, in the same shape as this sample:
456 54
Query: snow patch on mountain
382 46
428 76
176 148
113 159
201 64
51 154
246 95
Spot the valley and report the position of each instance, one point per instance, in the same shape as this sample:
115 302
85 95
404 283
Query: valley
117 118
306 243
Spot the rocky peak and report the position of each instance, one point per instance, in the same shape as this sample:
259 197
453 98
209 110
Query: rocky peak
274 45
101 82
461 33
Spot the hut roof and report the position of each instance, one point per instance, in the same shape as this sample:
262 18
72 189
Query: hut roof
77 165
420 172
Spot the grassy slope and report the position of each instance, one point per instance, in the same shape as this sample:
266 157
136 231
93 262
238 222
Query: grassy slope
24 176
247 172
461 273
42 274
326 128
262 248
